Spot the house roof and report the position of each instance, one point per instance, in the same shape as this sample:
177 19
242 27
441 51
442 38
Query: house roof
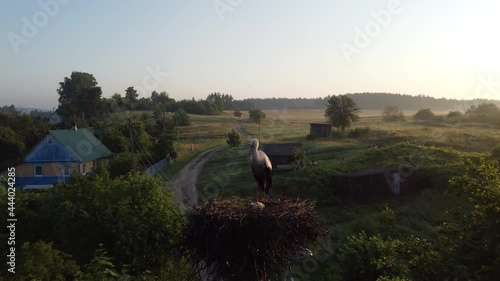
81 143
281 149
320 124
370 171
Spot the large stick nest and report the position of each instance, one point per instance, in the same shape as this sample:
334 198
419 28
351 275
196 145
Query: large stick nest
229 240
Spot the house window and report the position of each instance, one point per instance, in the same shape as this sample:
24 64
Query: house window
66 170
84 168
49 141
38 170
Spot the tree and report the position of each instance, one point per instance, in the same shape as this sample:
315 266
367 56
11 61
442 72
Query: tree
233 138
181 117
484 113
80 98
40 261
392 113
131 97
165 146
473 237
341 111
217 101
424 114
256 115
12 147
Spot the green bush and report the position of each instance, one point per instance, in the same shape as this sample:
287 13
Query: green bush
358 132
233 138
424 114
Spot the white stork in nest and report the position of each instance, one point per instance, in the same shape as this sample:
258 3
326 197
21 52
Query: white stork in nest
262 168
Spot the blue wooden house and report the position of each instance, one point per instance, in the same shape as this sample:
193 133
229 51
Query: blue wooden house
59 154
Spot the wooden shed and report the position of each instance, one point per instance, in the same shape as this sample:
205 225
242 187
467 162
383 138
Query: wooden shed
374 183
280 154
320 130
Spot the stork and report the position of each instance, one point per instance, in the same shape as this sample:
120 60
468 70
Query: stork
262 168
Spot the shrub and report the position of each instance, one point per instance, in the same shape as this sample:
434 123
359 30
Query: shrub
256 115
392 113
495 153
358 132
237 113
233 138
424 114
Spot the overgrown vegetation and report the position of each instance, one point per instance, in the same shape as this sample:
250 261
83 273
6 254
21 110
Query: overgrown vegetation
97 226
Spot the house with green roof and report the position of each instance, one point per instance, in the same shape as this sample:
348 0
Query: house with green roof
58 155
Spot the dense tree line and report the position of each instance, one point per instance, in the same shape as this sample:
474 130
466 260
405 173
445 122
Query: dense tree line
376 101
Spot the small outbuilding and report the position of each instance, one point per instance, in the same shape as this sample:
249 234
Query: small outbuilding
374 183
281 154
320 130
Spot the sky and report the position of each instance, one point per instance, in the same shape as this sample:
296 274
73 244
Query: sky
250 49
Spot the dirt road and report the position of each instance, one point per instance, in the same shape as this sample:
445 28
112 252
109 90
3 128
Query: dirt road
185 182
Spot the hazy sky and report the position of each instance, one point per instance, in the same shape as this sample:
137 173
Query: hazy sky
256 48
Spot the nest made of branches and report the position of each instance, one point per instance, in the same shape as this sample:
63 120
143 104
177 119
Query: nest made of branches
229 240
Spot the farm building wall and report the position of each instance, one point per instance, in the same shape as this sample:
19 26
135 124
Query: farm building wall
320 130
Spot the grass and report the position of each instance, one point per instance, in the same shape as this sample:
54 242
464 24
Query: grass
434 149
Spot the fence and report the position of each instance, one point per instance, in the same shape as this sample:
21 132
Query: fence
158 167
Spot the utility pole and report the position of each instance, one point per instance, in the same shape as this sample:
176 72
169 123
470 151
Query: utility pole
131 144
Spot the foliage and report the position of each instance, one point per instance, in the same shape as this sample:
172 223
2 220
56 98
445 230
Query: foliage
300 156
121 164
256 115
358 132
455 116
133 217
182 118
341 111
237 113
424 114
131 97
165 146
40 261
233 138
114 139
495 153
392 113
472 238
484 113
12 147
217 102
81 99
100 267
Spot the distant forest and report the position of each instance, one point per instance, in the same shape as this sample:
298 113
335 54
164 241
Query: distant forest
372 101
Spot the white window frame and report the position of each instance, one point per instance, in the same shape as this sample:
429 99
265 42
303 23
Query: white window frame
66 167
34 170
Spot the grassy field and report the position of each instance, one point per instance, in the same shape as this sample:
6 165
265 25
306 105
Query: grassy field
328 153
436 151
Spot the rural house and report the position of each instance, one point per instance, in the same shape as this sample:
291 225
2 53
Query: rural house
59 154
280 154
320 130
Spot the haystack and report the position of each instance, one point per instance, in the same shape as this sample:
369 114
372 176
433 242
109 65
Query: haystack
229 240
